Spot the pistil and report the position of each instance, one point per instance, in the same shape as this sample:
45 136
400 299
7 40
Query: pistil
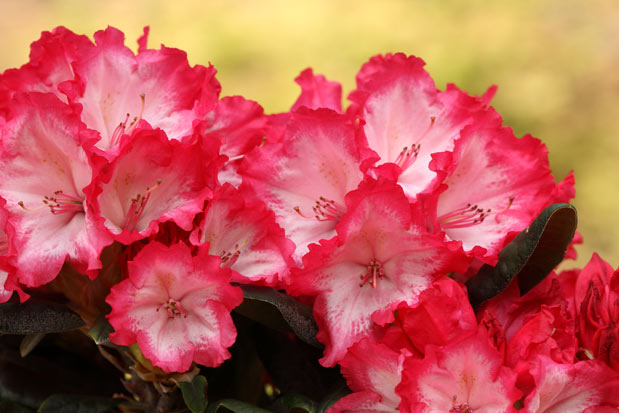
374 273
173 308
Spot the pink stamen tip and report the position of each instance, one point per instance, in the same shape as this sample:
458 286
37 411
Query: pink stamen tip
173 308
138 204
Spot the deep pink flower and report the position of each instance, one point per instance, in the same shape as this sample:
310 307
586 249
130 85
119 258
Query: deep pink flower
442 315
44 169
244 234
176 307
372 372
596 297
380 258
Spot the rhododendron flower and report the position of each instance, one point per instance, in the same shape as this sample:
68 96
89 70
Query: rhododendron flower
372 372
44 169
244 234
464 376
117 89
586 386
596 297
407 119
495 185
154 180
304 177
380 258
176 307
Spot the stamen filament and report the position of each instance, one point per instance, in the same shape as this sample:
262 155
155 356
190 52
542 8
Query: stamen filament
137 207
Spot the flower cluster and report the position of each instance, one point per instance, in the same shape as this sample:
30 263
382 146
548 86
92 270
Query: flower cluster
375 214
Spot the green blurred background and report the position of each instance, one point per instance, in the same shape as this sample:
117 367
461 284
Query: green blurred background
556 63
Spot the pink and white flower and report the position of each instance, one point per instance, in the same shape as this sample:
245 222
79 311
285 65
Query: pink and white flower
381 257
244 234
44 169
176 307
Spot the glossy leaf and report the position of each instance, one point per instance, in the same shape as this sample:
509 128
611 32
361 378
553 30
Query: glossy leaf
235 406
29 342
100 330
530 256
37 317
194 393
297 403
68 403
279 311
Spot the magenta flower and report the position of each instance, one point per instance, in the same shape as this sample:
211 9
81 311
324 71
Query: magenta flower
176 307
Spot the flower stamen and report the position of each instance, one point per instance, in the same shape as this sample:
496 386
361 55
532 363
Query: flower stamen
123 128
174 308
324 210
408 156
138 203
58 203
469 215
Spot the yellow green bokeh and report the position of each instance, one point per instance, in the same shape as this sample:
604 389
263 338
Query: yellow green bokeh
556 63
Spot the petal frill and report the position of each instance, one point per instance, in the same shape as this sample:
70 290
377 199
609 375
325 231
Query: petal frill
51 63
304 177
318 92
44 169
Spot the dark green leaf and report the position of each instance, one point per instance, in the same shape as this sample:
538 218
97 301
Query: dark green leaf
68 403
13 407
194 393
37 317
530 256
235 406
100 330
29 342
279 311
297 403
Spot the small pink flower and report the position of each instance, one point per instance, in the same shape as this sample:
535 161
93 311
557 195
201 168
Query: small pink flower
176 307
